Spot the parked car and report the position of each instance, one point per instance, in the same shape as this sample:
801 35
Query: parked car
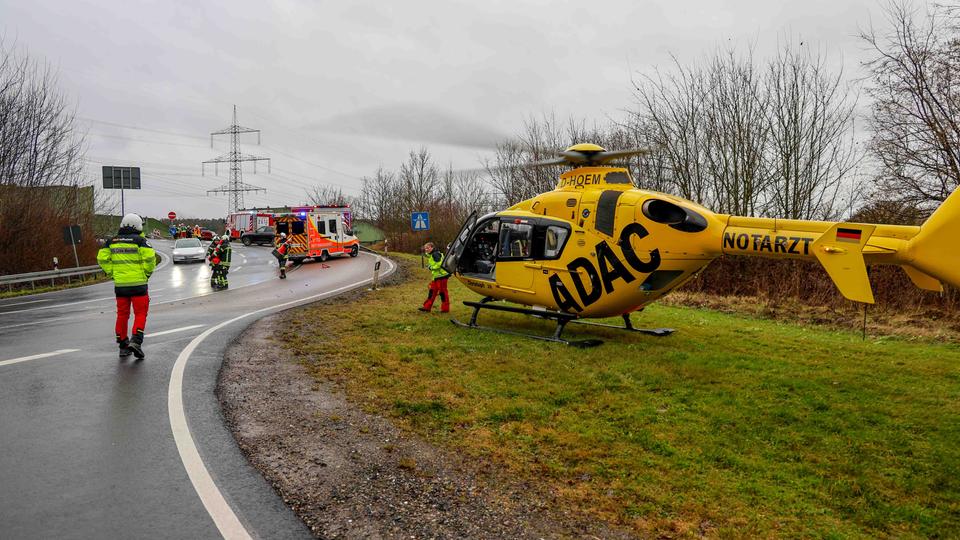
261 236
188 250
206 234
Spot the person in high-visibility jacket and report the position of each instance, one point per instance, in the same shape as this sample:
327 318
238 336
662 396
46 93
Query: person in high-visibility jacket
129 260
438 284
220 263
282 250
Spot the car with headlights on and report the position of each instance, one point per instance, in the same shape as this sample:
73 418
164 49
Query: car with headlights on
188 250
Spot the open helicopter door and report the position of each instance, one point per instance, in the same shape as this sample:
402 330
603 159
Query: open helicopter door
459 244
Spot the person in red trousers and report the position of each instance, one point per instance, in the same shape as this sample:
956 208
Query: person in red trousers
129 261
438 285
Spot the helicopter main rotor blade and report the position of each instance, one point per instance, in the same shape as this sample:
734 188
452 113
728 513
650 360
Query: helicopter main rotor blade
547 163
606 157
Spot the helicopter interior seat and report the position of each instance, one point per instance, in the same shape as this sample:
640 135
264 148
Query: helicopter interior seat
480 257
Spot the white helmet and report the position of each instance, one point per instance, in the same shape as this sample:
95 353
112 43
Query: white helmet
283 235
225 237
132 220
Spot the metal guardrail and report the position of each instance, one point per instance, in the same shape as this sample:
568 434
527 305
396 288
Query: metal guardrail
52 275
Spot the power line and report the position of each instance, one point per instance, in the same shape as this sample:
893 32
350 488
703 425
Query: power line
138 128
167 143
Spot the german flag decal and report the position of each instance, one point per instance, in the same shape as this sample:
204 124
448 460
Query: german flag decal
848 235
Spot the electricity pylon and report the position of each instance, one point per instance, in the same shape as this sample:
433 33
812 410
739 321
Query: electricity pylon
236 187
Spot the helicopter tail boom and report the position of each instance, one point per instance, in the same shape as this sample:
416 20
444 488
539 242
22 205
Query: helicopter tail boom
845 249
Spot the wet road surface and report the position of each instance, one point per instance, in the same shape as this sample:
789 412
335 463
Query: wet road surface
96 447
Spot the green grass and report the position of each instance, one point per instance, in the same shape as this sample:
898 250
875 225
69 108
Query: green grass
735 426
77 282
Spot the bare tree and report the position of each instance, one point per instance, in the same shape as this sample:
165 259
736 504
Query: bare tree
419 180
915 85
378 198
749 140
470 193
329 196
670 113
41 159
735 132
810 116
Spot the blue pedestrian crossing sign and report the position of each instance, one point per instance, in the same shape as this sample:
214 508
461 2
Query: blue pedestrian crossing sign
420 221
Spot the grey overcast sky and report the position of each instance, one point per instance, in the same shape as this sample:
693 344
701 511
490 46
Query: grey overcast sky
339 88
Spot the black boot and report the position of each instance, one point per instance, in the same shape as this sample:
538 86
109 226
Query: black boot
136 346
125 350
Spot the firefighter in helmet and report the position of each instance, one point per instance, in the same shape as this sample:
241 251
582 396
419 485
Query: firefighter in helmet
220 263
129 260
282 252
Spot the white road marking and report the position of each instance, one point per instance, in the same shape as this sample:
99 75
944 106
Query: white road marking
217 506
183 329
23 303
36 357
236 269
164 260
58 305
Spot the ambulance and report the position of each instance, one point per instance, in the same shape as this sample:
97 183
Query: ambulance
318 232
248 221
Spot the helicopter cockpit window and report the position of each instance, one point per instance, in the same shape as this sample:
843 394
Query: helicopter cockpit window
516 240
553 241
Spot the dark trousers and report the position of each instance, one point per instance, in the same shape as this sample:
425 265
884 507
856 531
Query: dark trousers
140 304
438 287
218 277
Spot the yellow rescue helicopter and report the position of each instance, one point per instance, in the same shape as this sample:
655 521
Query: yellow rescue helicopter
598 247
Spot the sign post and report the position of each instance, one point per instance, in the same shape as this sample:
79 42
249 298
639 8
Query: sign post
71 235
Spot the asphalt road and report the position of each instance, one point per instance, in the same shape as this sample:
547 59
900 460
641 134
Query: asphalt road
96 447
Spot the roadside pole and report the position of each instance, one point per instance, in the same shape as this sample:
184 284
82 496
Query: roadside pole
73 244
376 275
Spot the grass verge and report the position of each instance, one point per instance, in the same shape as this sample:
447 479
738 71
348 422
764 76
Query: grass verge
97 278
733 426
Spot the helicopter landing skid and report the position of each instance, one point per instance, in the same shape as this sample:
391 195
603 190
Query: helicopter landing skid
628 326
561 319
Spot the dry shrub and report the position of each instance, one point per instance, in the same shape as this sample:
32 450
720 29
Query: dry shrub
802 290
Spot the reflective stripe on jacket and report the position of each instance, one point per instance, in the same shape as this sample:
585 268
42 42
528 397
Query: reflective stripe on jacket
129 260
435 264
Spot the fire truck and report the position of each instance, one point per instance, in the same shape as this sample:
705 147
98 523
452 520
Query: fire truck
248 221
318 232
